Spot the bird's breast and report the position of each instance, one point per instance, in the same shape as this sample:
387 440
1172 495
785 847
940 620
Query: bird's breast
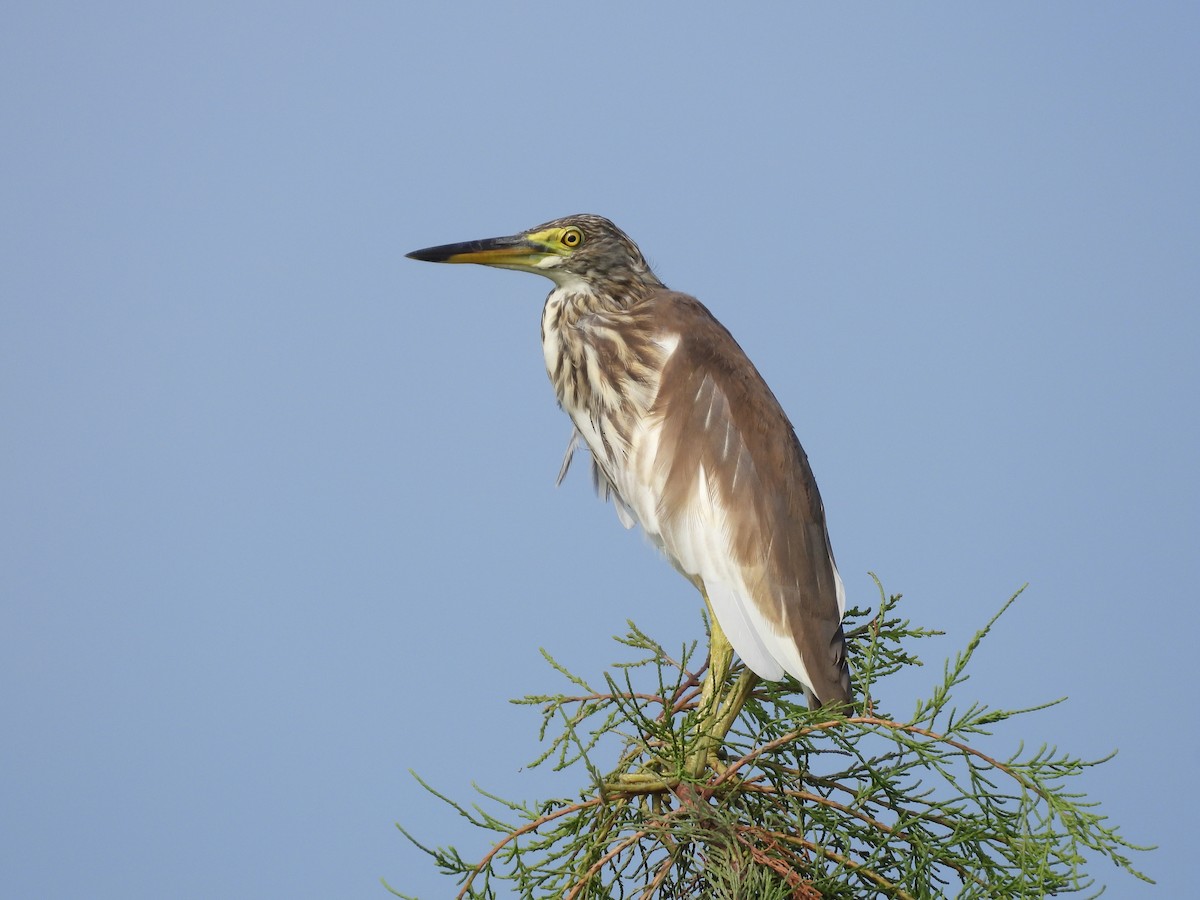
606 367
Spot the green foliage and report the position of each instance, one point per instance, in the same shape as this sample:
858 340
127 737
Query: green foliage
798 803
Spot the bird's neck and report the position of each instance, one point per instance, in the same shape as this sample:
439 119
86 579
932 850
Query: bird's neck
604 356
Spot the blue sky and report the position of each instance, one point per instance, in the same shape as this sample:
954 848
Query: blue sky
279 509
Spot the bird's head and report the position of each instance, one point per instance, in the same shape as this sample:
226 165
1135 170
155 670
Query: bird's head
582 253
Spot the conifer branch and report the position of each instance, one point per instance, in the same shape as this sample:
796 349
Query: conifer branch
786 803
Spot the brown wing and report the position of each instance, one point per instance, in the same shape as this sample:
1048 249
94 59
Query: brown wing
719 417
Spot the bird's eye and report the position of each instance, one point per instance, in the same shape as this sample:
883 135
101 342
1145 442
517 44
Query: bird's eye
572 237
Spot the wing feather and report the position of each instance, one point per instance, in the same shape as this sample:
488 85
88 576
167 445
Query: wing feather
739 509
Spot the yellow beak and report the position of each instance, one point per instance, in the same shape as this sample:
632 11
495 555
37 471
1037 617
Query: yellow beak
514 252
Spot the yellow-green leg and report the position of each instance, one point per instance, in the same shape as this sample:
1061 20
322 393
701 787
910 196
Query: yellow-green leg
718 709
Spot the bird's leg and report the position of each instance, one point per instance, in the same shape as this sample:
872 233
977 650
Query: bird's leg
718 708
720 657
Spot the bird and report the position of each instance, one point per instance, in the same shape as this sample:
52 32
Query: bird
690 443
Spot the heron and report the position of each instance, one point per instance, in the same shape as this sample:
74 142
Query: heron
689 442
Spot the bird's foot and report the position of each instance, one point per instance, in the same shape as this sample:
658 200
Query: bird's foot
639 783
719 707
